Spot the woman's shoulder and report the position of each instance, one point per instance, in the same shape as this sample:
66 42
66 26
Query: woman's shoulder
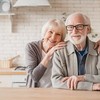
34 47
33 44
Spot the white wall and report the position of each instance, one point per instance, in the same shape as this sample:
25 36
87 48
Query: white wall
27 23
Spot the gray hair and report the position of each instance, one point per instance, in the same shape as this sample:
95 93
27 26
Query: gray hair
54 22
86 19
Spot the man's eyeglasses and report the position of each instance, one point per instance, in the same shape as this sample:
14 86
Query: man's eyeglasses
78 27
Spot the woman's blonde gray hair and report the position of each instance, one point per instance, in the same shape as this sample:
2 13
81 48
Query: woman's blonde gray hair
53 23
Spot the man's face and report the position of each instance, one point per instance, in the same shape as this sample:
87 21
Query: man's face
77 29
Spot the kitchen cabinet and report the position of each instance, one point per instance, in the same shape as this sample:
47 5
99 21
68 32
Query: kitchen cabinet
12 78
5 81
19 81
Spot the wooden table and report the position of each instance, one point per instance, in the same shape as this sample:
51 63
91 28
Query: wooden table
46 94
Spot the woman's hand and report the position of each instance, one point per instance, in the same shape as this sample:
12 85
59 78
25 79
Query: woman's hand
56 47
97 46
49 54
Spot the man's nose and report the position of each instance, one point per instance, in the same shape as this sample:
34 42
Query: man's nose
74 30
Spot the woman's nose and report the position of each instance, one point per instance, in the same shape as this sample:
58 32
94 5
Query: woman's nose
53 36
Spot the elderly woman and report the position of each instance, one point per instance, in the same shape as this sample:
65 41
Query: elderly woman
39 53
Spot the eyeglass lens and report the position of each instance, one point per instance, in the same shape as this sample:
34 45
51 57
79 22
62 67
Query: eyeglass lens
78 27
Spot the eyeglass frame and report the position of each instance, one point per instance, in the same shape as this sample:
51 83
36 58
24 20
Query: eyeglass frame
76 27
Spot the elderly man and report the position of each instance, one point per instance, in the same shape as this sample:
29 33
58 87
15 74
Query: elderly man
77 66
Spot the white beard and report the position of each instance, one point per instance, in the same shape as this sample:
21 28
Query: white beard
73 41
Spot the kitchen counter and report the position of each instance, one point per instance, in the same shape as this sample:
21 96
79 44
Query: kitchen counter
46 94
11 71
9 77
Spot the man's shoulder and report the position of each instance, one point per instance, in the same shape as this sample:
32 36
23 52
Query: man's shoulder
92 51
66 49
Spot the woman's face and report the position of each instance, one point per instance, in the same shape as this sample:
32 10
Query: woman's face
52 37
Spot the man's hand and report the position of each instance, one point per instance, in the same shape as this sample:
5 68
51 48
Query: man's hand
73 81
96 87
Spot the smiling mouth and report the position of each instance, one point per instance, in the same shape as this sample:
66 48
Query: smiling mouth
52 41
78 36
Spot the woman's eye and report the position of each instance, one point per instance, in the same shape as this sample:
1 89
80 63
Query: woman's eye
50 32
58 34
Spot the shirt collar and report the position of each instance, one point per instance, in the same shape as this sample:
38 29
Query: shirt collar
90 48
